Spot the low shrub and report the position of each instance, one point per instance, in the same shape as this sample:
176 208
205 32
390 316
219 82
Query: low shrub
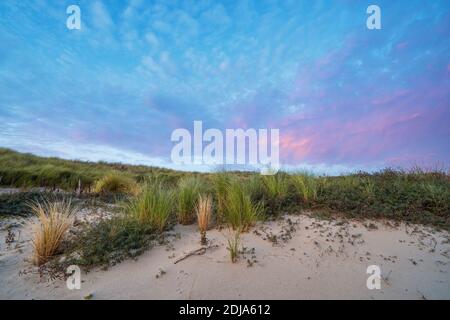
110 241
414 197
116 183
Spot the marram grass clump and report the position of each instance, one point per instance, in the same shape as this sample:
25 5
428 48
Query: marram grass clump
276 188
153 206
204 206
306 187
189 189
221 182
240 212
116 183
54 219
234 239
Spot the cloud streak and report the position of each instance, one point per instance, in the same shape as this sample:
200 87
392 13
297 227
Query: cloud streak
341 95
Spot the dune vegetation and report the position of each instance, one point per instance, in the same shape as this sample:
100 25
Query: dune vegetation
188 192
154 199
204 211
30 171
116 183
54 219
240 211
234 240
153 206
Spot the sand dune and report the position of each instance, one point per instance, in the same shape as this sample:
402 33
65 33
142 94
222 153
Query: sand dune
297 257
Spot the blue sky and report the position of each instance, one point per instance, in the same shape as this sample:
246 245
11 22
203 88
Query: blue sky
344 97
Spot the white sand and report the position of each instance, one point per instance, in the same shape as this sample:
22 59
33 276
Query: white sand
322 260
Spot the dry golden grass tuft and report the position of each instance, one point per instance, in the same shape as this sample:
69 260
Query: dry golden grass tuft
54 219
117 183
204 206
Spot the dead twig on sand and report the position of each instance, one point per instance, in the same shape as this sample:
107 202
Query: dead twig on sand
197 252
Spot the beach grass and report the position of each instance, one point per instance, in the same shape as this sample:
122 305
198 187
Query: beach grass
53 220
240 212
221 182
233 241
153 206
149 201
204 212
188 192
116 183
306 186
25 170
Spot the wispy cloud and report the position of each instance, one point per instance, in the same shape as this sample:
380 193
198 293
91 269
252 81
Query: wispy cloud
342 96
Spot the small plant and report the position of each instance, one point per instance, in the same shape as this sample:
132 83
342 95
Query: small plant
116 183
153 206
54 219
240 212
233 245
189 189
305 186
203 216
88 297
160 273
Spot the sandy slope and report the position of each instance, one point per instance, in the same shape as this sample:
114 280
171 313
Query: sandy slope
311 259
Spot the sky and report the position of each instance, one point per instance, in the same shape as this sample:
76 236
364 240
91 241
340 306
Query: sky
344 97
